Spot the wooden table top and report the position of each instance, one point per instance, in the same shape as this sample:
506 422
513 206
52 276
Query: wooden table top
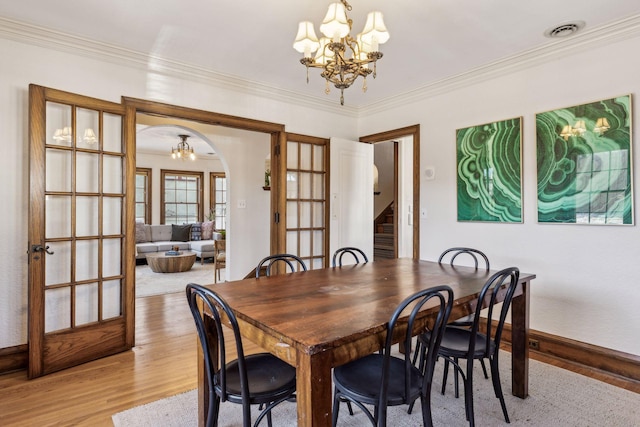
321 309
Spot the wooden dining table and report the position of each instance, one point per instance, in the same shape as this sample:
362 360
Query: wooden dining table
320 319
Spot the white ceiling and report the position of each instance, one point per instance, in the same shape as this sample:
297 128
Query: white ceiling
160 139
250 41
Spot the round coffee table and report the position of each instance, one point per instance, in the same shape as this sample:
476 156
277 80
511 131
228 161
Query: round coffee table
161 263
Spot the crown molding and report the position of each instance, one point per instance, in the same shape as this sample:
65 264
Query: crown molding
51 39
613 32
25 33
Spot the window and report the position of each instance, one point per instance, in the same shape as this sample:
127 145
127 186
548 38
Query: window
181 197
218 200
143 195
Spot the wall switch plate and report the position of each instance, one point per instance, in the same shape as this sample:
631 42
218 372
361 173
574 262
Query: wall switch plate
242 204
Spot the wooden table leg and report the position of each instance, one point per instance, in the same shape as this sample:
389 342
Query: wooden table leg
520 343
313 390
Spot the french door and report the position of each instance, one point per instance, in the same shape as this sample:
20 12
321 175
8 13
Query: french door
307 180
81 263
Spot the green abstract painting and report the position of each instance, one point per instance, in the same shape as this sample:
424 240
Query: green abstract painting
584 163
489 174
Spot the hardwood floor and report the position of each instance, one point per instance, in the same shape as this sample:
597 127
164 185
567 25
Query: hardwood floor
162 364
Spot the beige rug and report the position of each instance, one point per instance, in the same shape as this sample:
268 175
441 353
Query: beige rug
149 283
556 398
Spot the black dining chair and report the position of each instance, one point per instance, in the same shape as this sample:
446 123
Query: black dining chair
357 254
257 379
475 254
294 262
470 343
453 253
450 255
383 380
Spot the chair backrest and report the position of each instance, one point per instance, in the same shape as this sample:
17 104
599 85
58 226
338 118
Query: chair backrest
213 345
219 248
440 297
504 282
473 253
355 252
289 259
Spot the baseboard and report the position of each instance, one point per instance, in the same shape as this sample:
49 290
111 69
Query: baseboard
588 355
13 358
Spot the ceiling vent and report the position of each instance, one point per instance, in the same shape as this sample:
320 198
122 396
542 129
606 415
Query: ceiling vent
564 30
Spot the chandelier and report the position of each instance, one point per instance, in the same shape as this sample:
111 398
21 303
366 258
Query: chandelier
341 57
183 150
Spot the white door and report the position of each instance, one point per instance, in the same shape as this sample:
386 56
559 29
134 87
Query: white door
351 195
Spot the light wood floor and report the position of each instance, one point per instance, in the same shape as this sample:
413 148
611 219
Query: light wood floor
162 364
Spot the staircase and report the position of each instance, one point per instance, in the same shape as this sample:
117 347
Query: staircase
383 236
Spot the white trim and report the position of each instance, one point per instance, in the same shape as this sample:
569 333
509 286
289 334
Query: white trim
612 32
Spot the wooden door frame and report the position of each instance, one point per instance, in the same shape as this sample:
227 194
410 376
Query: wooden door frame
413 131
278 139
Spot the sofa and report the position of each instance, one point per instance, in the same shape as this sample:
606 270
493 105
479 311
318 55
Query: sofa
187 237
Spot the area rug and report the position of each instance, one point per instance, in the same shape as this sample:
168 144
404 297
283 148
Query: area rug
149 283
557 397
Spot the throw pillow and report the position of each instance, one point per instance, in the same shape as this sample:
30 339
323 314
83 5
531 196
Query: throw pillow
207 230
141 236
196 231
180 233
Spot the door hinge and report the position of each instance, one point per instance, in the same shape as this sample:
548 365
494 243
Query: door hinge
276 217
277 150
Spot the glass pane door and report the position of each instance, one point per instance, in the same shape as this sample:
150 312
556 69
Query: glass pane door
306 200
77 287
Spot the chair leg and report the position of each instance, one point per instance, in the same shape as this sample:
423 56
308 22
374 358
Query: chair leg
214 410
445 374
350 408
336 408
455 382
416 352
425 400
484 369
411 407
468 393
497 386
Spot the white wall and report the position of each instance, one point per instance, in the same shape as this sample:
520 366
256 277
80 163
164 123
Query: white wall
83 74
586 287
